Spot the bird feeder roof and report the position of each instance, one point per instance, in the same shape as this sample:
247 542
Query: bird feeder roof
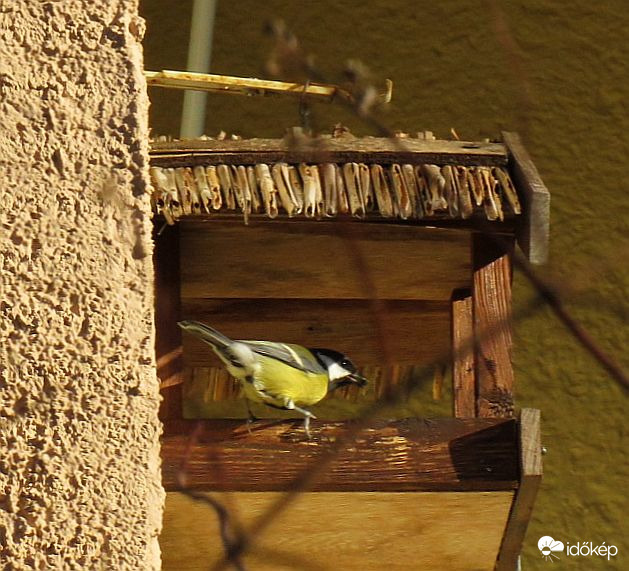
421 180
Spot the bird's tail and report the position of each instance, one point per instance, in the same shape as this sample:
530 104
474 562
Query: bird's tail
212 337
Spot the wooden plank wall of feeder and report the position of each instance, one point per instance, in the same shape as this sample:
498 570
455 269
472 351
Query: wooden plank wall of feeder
341 147
530 480
491 306
306 271
533 228
430 531
464 455
438 482
464 358
168 339
303 263
316 261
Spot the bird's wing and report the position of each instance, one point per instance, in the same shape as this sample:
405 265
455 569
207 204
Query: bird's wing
293 355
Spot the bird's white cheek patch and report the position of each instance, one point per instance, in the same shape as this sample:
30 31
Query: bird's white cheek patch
335 371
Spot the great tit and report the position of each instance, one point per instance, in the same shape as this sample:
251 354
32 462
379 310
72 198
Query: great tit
280 375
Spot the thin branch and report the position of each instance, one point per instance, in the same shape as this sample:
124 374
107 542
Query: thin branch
510 46
545 291
228 537
545 295
311 475
553 300
378 309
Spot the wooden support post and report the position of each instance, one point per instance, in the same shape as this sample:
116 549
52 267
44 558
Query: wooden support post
491 301
463 369
530 479
168 347
534 226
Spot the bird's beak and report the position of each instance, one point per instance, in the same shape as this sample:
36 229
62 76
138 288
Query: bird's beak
358 379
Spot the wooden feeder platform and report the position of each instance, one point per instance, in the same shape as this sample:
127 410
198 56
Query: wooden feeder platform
437 235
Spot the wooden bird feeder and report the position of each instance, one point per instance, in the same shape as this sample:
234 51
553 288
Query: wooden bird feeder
434 225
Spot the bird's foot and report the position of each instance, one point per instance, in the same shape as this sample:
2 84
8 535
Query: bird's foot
290 405
307 416
250 417
307 427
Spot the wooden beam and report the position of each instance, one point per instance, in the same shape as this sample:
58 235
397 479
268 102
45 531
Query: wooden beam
491 301
326 150
439 220
411 454
345 325
463 365
530 480
168 347
533 231
314 260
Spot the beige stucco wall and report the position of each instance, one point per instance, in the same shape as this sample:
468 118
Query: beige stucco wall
79 459
558 73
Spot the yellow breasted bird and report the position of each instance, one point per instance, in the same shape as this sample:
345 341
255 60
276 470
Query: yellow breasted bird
280 375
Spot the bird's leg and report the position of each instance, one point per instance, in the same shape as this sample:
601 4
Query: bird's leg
250 416
307 415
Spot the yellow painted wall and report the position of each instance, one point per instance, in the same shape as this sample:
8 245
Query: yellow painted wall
560 76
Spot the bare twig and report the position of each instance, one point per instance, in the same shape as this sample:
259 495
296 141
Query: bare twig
288 55
230 542
287 59
229 538
552 298
516 66
378 310
307 479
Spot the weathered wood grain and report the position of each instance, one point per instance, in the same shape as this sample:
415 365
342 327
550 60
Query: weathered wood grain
315 261
533 232
463 366
327 150
530 480
413 454
417 331
491 300
332 531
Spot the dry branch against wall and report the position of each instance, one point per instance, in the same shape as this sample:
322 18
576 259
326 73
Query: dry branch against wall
493 193
307 478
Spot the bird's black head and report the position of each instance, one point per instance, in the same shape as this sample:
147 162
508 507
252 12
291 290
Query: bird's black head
341 370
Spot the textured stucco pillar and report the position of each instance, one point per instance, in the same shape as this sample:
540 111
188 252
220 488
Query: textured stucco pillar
79 457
